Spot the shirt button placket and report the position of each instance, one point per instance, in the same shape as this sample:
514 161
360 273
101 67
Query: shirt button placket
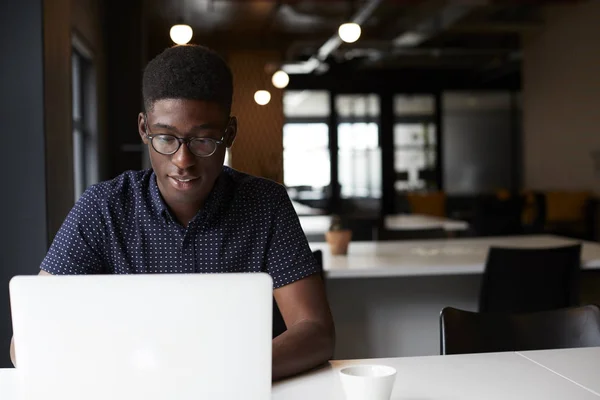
187 251
196 247
181 234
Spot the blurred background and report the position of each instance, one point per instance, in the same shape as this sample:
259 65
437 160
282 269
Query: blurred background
483 112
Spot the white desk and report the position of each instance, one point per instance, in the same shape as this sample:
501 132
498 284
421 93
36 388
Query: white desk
302 209
315 224
581 366
475 376
386 297
8 384
434 257
319 224
405 222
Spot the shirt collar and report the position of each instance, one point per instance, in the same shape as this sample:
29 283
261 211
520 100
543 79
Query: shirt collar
159 204
219 196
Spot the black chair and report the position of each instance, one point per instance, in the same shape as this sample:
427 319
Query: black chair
364 228
464 332
529 280
278 323
498 217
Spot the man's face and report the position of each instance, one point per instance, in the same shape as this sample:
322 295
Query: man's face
185 179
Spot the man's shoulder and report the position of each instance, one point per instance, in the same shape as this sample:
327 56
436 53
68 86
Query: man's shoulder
250 186
122 187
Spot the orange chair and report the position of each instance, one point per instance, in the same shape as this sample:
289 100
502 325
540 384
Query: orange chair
427 203
564 206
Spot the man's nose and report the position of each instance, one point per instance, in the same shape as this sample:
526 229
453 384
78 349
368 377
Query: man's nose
183 158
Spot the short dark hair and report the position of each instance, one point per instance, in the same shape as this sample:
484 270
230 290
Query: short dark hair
188 72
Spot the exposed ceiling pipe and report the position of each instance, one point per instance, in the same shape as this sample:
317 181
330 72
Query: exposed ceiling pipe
445 17
433 25
332 44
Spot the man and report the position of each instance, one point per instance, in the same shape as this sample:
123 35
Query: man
191 214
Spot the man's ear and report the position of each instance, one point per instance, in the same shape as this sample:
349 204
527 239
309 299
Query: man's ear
142 127
231 132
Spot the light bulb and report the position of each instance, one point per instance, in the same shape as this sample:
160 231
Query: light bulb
262 97
280 79
349 32
181 33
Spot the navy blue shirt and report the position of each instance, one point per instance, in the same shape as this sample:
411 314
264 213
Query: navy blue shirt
123 226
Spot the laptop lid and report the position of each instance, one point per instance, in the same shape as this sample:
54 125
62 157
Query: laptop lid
196 334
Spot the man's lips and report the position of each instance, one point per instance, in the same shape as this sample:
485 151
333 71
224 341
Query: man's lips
183 179
183 182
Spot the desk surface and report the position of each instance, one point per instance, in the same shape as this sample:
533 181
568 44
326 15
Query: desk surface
302 209
406 222
8 384
476 376
434 257
577 365
319 224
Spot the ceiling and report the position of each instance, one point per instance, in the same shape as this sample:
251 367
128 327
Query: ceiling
431 34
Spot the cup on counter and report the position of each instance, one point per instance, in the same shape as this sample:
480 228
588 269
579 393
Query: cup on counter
368 382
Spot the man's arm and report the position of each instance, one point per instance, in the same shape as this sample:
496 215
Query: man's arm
12 340
299 293
310 337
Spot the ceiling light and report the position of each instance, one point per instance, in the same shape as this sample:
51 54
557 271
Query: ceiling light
280 79
349 32
262 97
181 33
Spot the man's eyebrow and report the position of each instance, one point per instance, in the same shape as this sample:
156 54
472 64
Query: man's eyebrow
205 126
195 128
164 126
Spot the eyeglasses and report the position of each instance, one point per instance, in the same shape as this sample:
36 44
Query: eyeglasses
199 146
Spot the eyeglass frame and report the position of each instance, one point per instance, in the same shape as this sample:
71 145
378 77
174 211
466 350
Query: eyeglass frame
185 141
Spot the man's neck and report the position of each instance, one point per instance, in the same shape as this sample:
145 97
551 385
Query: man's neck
185 213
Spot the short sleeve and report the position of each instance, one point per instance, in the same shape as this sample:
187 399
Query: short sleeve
289 257
78 246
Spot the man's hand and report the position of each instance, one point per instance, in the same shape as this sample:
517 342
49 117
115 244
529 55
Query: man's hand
12 352
310 337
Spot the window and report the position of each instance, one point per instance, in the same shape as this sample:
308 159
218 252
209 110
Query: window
85 157
306 157
359 160
359 164
415 142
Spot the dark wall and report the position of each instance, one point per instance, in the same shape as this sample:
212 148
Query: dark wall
125 57
58 112
478 147
23 201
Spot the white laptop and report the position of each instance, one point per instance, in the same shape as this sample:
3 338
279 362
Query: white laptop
154 336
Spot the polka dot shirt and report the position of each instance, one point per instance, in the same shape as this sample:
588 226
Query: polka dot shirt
123 226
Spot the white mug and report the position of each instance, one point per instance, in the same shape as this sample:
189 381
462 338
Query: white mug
368 382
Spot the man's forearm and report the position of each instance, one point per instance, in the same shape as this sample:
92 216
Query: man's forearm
302 347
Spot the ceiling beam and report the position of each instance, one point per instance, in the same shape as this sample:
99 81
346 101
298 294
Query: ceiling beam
317 60
447 15
494 27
